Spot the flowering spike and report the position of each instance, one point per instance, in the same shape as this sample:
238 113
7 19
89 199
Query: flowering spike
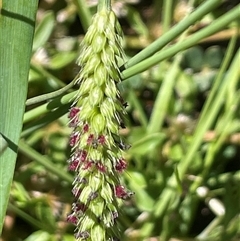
96 117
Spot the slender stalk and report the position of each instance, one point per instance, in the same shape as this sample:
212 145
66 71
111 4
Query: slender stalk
29 218
45 120
224 129
137 105
190 41
104 4
202 126
163 98
84 13
164 94
205 233
205 123
222 70
167 14
42 109
202 10
43 161
49 96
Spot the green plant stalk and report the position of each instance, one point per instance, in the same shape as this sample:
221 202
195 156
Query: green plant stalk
215 222
163 98
84 13
202 126
214 27
28 218
226 19
233 85
42 71
202 10
168 227
222 70
206 121
167 14
51 95
164 95
42 109
104 4
137 106
43 161
17 22
45 120
224 129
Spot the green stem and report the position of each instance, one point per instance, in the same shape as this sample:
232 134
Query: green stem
164 94
43 161
29 218
206 122
45 120
49 96
163 98
180 46
137 106
202 10
224 129
84 13
167 14
205 233
104 4
42 71
201 128
222 70
36 112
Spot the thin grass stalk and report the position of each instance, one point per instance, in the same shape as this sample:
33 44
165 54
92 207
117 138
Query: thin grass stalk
84 13
223 128
169 191
200 12
43 161
34 222
167 12
222 70
164 94
214 27
225 19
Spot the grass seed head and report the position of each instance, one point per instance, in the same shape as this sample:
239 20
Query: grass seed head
96 120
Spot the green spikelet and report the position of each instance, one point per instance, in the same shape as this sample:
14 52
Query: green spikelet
96 117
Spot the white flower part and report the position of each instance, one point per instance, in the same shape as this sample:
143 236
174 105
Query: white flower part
216 206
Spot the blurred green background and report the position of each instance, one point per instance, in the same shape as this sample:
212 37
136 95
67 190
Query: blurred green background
183 125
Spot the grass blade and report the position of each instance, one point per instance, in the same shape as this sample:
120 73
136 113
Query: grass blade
17 22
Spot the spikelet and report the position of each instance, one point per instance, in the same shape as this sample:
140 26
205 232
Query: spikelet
96 117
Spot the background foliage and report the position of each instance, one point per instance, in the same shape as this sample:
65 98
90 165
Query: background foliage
183 120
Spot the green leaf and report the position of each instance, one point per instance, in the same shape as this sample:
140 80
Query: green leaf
17 21
39 236
146 144
43 30
138 184
62 59
136 22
